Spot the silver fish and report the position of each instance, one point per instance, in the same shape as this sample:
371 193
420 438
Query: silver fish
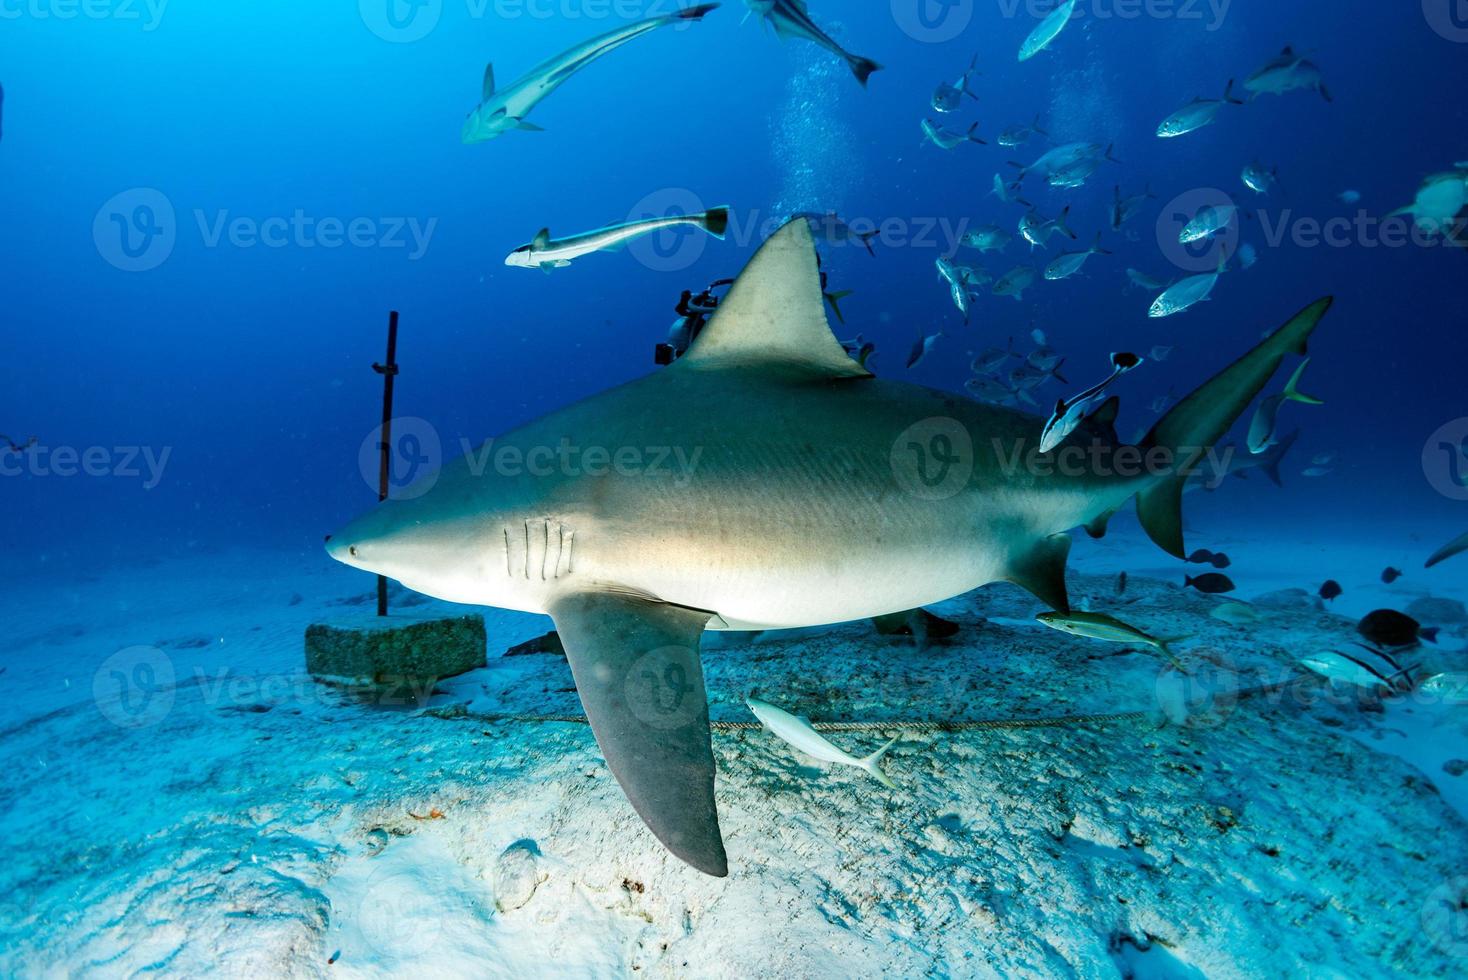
1037 229
1196 114
1015 282
1069 413
947 98
1068 264
947 139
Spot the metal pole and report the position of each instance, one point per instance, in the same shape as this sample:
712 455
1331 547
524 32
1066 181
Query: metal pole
389 371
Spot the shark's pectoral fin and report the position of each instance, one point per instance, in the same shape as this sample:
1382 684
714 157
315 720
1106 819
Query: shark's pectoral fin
528 126
1041 571
635 661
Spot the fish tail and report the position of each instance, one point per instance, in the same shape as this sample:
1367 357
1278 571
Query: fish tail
1060 224
1292 391
862 68
1197 422
870 764
1164 647
1228 94
1109 156
971 137
1097 247
695 13
866 239
1036 126
835 300
715 221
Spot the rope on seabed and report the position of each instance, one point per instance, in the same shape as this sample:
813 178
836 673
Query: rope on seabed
912 726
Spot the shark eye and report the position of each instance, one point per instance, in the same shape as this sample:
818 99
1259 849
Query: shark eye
352 550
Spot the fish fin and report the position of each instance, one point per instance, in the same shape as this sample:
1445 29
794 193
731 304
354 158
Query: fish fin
1040 571
1096 526
528 126
862 68
1164 647
866 239
870 764
774 315
636 667
1228 94
1428 633
1109 148
1293 393
1325 93
1288 51
835 299
1060 222
1097 247
972 138
487 89
696 12
1271 468
1201 419
716 221
541 241
1036 126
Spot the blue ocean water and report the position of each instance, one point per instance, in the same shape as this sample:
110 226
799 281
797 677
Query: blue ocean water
210 210
248 362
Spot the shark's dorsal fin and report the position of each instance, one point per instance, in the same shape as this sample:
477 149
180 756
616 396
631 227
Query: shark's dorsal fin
541 241
775 315
488 90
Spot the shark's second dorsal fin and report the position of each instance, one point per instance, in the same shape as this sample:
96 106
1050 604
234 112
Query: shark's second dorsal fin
775 315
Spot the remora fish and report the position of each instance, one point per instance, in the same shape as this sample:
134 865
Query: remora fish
947 98
1363 666
1099 626
506 109
1285 74
1048 30
1263 425
633 564
790 18
1196 114
545 252
1069 413
797 732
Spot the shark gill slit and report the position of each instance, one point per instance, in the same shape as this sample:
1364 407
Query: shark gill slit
545 547
527 550
509 570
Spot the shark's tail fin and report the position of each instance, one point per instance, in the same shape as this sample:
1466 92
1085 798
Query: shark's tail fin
1201 419
870 764
716 221
862 68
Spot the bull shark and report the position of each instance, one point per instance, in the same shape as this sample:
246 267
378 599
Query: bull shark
820 494
502 110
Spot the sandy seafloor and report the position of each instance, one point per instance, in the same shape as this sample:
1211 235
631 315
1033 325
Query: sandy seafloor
240 818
